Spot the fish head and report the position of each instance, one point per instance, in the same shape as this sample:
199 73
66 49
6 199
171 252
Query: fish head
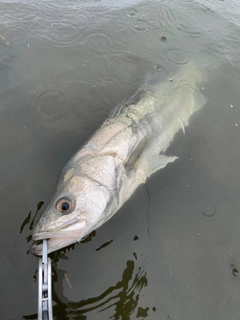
80 205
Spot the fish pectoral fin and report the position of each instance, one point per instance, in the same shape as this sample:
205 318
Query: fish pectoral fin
159 163
198 100
136 154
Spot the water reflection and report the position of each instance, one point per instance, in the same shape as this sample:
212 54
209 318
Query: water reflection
75 60
31 222
121 299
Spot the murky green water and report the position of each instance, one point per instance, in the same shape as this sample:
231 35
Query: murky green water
172 251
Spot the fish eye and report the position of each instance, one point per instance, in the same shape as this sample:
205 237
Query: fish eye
64 205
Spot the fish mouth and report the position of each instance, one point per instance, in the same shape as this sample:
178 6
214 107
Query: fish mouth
68 233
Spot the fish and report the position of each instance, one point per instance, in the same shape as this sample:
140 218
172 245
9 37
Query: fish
128 148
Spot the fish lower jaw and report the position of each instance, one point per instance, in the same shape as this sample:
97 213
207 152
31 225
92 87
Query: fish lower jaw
52 245
56 240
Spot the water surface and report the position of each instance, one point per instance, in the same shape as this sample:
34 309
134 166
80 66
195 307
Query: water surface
172 251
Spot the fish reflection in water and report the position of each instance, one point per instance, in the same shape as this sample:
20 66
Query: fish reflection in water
122 298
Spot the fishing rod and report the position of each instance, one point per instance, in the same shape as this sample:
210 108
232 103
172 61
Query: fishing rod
45 285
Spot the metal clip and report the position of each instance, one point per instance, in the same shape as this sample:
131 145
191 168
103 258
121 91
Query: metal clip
45 286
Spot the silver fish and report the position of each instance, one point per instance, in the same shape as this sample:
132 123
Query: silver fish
120 156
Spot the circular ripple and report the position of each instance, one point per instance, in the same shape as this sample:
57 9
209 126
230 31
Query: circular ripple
132 13
16 35
62 33
158 67
177 56
110 58
235 272
140 25
208 207
50 104
185 83
98 43
234 268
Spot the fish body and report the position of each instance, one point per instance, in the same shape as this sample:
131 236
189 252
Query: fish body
120 156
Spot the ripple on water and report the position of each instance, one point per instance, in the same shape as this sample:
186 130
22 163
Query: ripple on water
184 28
63 33
185 83
207 207
158 67
154 24
132 13
50 104
148 24
234 268
21 13
169 17
16 35
8 61
98 43
140 25
177 56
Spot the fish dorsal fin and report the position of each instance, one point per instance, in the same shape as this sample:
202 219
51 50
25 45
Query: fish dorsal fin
134 100
136 154
117 110
125 103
